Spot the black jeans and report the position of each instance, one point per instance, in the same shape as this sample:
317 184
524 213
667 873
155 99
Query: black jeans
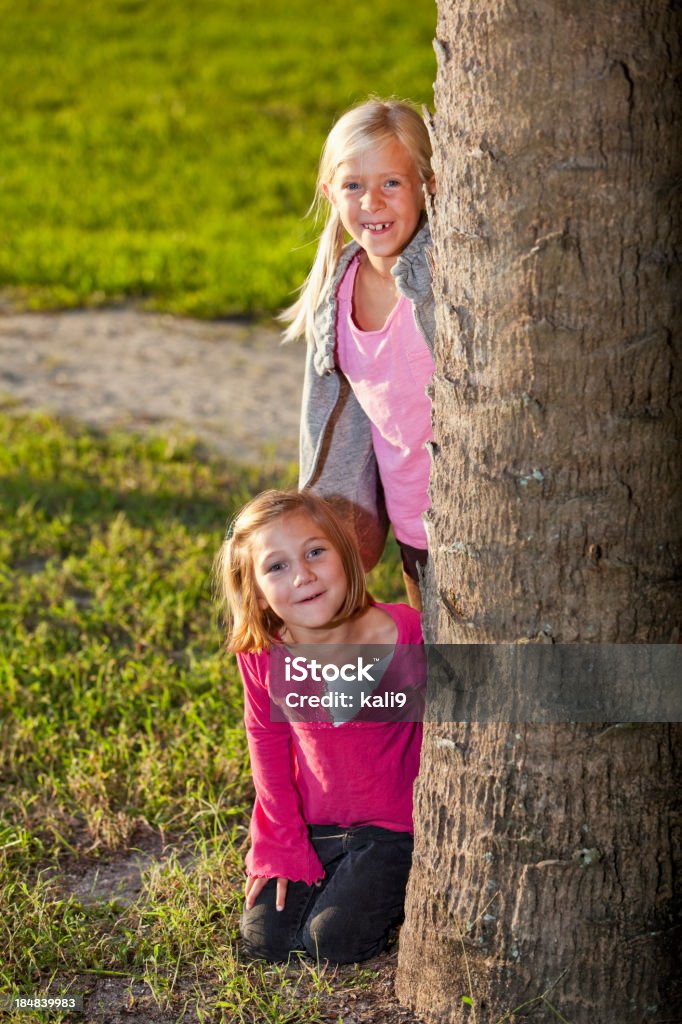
411 558
348 915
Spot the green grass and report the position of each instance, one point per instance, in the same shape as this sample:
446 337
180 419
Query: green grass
119 711
167 151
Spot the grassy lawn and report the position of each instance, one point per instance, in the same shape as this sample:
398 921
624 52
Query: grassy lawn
120 718
166 151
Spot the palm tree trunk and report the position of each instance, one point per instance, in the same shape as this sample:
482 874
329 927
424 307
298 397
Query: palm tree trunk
547 858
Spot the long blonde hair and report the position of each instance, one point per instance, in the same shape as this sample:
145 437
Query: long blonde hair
375 123
250 627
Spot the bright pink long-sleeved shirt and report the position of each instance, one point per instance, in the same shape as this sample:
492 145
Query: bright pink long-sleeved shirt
315 773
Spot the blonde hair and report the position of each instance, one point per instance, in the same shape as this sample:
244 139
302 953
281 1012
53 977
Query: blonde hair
375 123
250 627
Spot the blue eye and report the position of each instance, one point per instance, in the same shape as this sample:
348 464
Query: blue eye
351 186
392 183
314 552
275 567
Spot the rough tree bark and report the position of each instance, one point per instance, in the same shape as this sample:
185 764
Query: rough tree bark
547 858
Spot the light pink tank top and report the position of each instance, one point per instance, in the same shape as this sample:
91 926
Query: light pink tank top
389 370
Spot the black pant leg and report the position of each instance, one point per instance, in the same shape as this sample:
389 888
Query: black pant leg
349 920
271 934
348 916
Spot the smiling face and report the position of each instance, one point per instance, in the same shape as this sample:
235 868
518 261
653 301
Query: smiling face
298 574
379 197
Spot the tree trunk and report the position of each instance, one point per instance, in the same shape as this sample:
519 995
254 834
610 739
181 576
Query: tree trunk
547 858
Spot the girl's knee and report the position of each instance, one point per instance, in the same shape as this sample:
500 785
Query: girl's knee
260 943
327 936
262 940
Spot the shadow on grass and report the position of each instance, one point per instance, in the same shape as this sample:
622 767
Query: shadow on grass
87 501
53 470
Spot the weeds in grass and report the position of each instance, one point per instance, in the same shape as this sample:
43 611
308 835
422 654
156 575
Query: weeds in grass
116 693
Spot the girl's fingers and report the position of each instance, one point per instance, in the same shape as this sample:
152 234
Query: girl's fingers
254 887
281 893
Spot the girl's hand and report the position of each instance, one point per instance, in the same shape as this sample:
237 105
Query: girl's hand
255 886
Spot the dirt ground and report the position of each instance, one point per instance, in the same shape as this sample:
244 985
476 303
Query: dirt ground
118 1000
232 385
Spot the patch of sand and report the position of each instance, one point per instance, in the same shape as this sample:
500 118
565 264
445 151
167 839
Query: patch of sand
229 383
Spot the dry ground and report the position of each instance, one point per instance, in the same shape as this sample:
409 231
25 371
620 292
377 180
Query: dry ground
230 383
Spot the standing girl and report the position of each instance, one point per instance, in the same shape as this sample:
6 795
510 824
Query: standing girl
366 311
331 830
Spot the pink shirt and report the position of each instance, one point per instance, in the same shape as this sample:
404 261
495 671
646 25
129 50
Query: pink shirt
389 371
357 773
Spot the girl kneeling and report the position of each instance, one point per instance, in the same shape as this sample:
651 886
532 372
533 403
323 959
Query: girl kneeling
331 830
